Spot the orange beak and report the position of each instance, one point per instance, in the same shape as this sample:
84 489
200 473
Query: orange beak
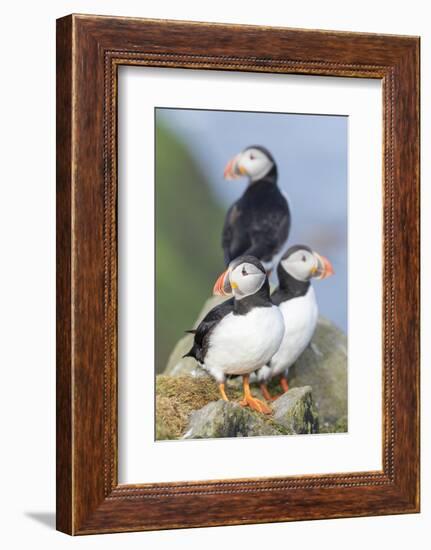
233 170
222 285
325 268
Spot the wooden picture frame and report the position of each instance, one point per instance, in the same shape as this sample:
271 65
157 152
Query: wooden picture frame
89 52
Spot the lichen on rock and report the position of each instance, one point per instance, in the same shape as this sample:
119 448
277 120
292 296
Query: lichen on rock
295 411
229 419
190 408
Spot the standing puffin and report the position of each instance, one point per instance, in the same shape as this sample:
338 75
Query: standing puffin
297 302
242 334
258 223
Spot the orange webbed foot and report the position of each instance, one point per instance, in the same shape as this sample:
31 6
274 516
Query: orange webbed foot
252 402
256 405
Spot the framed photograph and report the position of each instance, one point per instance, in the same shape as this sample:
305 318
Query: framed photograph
237 274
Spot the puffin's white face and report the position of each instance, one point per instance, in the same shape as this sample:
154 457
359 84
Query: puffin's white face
240 280
245 280
252 162
303 264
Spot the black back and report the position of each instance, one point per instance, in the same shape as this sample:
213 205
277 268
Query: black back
258 223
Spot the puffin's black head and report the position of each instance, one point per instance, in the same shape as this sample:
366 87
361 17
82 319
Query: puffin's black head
244 276
302 263
263 150
254 161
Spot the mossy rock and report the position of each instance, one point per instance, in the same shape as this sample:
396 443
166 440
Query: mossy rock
177 397
191 408
229 419
323 366
295 411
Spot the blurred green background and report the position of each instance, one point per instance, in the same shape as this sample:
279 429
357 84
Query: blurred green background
188 252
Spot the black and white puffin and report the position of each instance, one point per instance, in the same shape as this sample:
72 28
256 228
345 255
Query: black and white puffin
296 300
242 334
258 223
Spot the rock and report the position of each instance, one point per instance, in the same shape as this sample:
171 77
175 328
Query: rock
229 419
294 411
323 366
176 398
191 408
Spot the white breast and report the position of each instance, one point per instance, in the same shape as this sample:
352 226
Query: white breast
300 319
240 344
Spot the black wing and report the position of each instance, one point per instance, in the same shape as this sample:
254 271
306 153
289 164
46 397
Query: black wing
268 234
235 237
258 224
203 331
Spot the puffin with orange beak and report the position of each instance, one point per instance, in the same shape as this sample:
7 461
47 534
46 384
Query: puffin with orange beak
258 223
296 300
242 334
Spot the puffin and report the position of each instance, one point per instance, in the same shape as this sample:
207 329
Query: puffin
258 223
297 303
241 334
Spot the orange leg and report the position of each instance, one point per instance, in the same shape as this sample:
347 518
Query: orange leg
250 401
265 392
284 384
222 392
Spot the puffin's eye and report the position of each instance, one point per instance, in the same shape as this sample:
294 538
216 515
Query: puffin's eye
304 259
252 157
244 271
